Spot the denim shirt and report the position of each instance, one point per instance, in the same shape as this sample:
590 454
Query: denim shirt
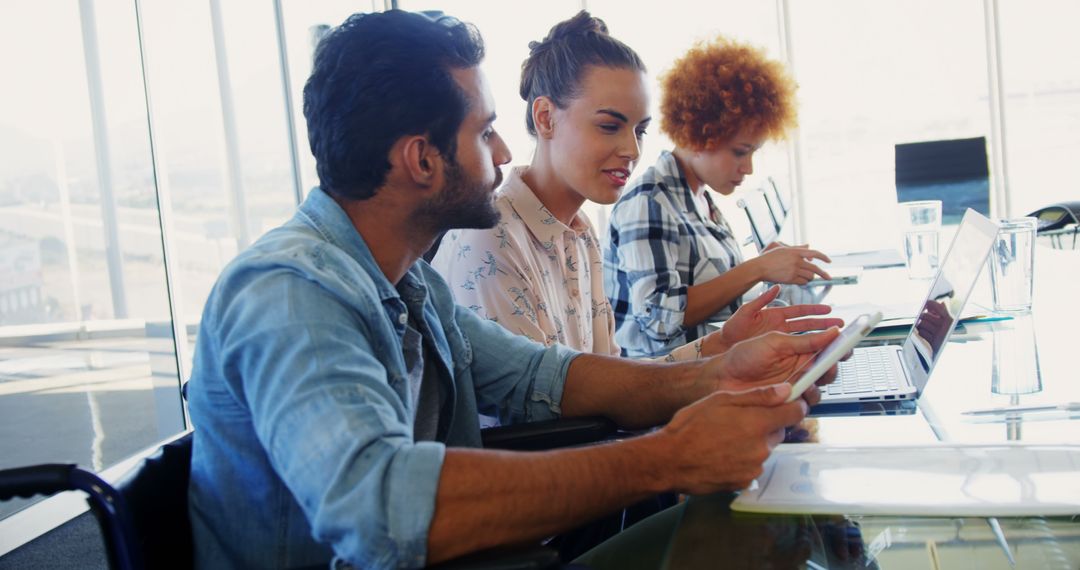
302 408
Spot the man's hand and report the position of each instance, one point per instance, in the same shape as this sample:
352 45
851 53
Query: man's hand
789 265
769 359
755 319
720 442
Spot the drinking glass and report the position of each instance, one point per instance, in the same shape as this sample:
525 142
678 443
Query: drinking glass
1011 263
921 221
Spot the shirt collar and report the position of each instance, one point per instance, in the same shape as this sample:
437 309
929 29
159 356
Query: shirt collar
672 176
327 217
537 218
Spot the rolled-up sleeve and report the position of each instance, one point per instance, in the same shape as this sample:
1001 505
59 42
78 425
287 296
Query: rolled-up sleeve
648 252
335 430
522 378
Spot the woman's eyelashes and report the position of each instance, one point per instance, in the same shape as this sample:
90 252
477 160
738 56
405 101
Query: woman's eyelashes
614 128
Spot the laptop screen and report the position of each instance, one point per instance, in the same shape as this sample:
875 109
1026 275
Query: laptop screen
949 291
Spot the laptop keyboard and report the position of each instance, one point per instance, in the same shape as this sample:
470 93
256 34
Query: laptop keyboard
867 371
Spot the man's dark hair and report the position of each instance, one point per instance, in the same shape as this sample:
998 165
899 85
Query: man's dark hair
556 65
379 77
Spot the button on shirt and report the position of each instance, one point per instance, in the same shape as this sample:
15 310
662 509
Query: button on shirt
533 274
661 244
304 407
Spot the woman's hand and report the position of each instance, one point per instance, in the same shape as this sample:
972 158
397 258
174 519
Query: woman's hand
789 265
755 318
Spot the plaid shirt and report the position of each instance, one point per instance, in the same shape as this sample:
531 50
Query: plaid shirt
660 246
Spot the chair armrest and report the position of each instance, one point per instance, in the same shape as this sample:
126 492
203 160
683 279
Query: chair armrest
551 434
46 479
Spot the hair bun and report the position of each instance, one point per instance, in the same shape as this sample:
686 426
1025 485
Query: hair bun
581 24
556 64
537 47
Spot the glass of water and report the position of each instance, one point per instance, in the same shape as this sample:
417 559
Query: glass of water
1011 264
1016 358
921 221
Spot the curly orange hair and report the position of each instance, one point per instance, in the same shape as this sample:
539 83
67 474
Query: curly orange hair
722 87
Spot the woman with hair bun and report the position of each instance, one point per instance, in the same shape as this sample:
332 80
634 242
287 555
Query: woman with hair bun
673 264
539 271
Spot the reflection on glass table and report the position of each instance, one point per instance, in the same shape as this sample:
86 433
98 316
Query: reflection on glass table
1016 360
1006 383
710 535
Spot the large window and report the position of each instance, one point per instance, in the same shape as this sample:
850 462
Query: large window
218 114
1039 45
107 249
872 75
88 372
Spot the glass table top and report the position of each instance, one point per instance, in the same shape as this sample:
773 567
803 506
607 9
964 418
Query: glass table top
710 535
1025 361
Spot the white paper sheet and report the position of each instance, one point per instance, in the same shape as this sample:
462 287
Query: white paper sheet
935 480
901 314
868 259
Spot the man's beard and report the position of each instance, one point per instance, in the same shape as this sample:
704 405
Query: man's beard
464 203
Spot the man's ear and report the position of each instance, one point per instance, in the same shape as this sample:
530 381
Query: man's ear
421 160
543 111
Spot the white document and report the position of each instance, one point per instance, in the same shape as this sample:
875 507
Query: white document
892 314
839 276
897 314
869 259
933 480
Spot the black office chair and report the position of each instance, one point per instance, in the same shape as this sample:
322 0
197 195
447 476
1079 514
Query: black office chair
954 171
144 518
1059 224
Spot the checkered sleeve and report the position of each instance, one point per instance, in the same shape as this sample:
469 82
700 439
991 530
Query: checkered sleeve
649 237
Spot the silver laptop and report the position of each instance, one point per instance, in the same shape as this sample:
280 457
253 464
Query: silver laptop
900 372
